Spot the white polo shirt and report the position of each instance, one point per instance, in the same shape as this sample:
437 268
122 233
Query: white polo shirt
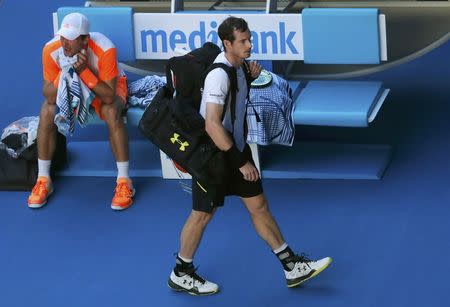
215 90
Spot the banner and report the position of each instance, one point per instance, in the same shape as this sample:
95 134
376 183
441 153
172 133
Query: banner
274 36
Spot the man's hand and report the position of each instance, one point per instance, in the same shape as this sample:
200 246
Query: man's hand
82 61
255 69
249 172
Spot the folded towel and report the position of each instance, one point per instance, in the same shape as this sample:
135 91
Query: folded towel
142 91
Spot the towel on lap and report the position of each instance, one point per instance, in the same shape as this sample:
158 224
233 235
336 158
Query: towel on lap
73 99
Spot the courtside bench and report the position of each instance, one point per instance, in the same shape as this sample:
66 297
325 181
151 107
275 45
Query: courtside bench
341 103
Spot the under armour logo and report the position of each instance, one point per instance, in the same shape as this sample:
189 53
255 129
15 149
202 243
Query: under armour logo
174 139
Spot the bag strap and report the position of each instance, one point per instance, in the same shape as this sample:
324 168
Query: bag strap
232 76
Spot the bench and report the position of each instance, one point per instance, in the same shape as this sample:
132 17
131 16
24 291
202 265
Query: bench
344 103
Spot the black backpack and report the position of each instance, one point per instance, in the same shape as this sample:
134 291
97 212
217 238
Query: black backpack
186 76
174 124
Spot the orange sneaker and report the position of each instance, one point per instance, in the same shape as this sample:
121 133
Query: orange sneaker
123 196
40 192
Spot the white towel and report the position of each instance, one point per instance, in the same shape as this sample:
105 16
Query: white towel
74 98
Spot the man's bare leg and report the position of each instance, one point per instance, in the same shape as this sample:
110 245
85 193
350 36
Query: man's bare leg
46 144
118 138
263 221
46 134
192 233
184 276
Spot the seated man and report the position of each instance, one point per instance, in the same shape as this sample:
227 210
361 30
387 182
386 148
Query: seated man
94 59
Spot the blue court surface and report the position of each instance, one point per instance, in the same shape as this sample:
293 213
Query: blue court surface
388 237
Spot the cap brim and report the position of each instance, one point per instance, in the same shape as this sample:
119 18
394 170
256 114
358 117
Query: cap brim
68 33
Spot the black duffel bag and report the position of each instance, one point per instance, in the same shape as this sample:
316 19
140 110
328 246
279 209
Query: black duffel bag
20 174
179 131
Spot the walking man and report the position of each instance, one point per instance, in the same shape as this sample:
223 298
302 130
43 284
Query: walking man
244 179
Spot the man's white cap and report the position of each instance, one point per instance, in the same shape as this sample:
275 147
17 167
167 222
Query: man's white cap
74 25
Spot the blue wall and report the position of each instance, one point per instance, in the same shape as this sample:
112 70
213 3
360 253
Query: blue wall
25 27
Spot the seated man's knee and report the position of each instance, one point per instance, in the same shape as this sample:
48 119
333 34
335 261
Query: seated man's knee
112 113
48 111
49 106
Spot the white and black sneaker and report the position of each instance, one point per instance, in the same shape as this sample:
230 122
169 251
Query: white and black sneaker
190 282
305 269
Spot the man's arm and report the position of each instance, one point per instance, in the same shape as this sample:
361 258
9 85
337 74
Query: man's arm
104 90
214 127
220 137
51 74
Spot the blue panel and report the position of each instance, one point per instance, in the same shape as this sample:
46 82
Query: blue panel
341 36
144 160
266 64
296 87
336 103
114 22
134 115
325 161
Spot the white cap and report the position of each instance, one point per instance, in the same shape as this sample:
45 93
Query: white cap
74 25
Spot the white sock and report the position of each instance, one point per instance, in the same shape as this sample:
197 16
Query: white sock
122 169
281 248
185 259
44 168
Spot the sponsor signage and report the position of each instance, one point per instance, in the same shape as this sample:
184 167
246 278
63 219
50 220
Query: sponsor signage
160 36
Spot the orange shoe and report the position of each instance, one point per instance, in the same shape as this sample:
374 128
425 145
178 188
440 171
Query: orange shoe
123 196
41 191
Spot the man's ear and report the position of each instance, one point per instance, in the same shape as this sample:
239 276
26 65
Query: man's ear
226 44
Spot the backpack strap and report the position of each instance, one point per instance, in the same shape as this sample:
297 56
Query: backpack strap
232 76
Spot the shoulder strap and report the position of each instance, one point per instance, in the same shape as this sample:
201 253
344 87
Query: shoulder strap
232 75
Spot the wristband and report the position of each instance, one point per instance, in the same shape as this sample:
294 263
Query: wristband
235 157
89 78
